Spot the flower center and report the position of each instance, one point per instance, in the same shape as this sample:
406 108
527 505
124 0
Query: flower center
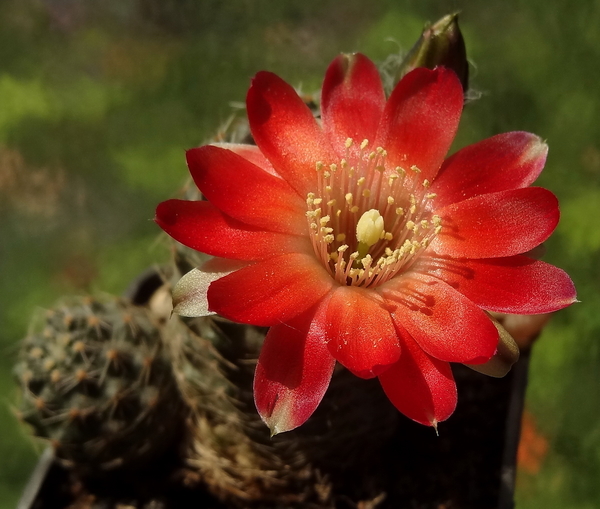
369 222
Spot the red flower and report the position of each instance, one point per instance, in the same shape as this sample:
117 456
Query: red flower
357 242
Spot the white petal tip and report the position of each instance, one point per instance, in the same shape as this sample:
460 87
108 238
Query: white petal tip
190 293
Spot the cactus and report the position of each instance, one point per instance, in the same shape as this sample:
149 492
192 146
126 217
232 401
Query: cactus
97 383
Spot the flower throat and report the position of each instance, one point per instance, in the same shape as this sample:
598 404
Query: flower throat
369 222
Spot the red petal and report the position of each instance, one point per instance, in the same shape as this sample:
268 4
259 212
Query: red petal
503 162
293 372
506 285
246 192
497 224
420 120
271 291
421 387
250 152
286 131
441 320
201 226
361 334
352 100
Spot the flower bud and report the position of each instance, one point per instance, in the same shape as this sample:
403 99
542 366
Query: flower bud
440 44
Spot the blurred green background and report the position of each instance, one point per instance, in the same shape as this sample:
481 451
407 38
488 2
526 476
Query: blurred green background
100 98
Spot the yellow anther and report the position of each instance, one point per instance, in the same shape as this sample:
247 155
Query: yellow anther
360 181
349 198
343 163
424 223
356 272
366 193
372 155
319 165
426 183
328 189
400 171
334 256
326 174
349 142
331 203
367 261
341 237
415 168
436 220
390 200
328 239
324 220
342 248
437 230
400 211
410 225
388 236
354 209
430 196
364 144
318 201
333 167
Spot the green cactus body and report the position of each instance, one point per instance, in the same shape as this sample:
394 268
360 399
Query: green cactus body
97 383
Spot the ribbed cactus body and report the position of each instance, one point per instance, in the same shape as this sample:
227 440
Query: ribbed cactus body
97 383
